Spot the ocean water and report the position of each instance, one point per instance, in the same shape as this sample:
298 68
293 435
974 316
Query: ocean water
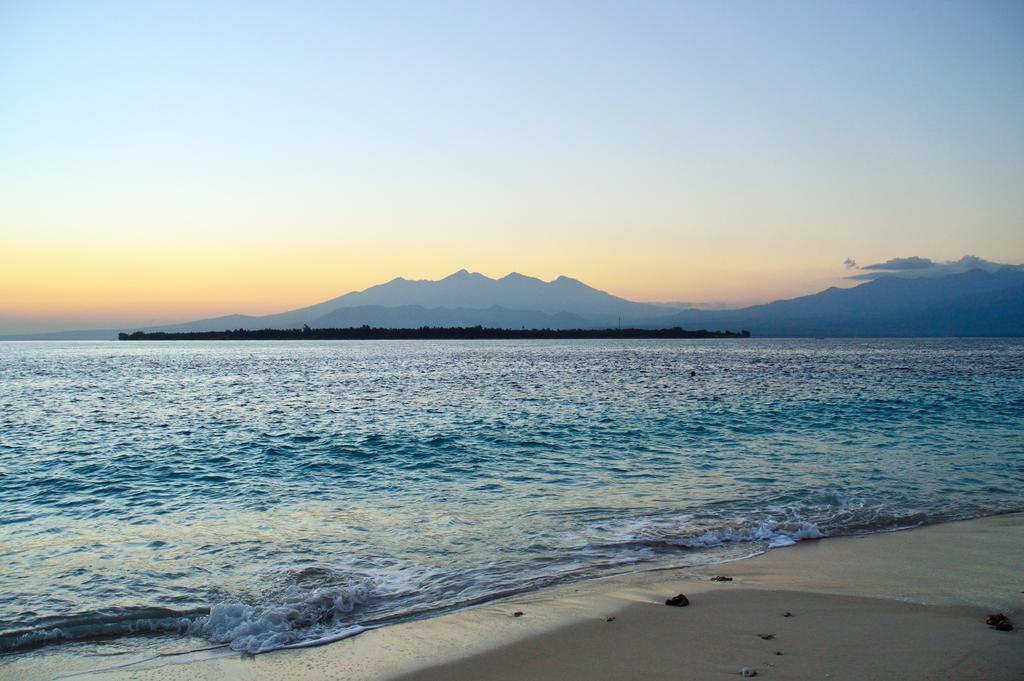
268 494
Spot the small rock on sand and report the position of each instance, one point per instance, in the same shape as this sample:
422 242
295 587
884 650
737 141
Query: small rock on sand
517 613
999 622
766 637
678 601
787 614
721 578
748 671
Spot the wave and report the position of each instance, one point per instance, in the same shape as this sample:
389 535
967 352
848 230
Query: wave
301 617
97 625
774 527
318 606
296 618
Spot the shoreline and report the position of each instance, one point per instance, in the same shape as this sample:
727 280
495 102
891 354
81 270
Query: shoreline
922 594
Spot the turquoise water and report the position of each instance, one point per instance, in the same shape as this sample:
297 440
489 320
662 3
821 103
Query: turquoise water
265 494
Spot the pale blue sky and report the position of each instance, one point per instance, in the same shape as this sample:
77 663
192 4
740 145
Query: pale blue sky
282 153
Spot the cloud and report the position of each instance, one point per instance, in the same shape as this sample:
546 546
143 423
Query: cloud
850 264
916 266
911 263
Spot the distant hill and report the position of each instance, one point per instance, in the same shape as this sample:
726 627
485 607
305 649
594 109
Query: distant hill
473 291
462 298
972 303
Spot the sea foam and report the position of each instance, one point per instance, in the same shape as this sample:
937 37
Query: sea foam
299 617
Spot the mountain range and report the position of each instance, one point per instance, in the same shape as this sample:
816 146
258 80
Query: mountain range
977 302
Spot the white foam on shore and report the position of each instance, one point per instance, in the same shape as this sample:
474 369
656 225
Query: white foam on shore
298 618
778 528
769 531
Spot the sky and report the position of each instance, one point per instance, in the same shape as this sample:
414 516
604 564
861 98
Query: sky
170 161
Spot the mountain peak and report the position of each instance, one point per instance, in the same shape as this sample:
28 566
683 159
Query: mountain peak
463 275
516 276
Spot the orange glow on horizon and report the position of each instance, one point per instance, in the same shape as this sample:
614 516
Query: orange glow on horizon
156 286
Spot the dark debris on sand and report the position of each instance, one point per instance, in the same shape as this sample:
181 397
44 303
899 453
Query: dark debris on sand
999 622
679 601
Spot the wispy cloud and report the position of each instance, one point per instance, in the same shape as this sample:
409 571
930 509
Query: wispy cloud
916 266
912 263
850 264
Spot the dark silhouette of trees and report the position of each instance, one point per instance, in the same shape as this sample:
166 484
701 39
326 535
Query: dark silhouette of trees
428 333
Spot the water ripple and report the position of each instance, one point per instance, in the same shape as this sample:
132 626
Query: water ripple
266 494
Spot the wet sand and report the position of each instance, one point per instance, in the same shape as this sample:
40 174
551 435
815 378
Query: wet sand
904 605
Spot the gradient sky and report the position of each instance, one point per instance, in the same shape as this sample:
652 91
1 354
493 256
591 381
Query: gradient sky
167 161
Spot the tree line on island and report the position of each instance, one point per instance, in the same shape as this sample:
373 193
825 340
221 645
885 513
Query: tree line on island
427 333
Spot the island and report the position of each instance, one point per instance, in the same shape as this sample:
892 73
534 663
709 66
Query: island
426 333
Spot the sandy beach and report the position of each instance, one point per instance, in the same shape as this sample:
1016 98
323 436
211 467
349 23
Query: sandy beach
902 605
